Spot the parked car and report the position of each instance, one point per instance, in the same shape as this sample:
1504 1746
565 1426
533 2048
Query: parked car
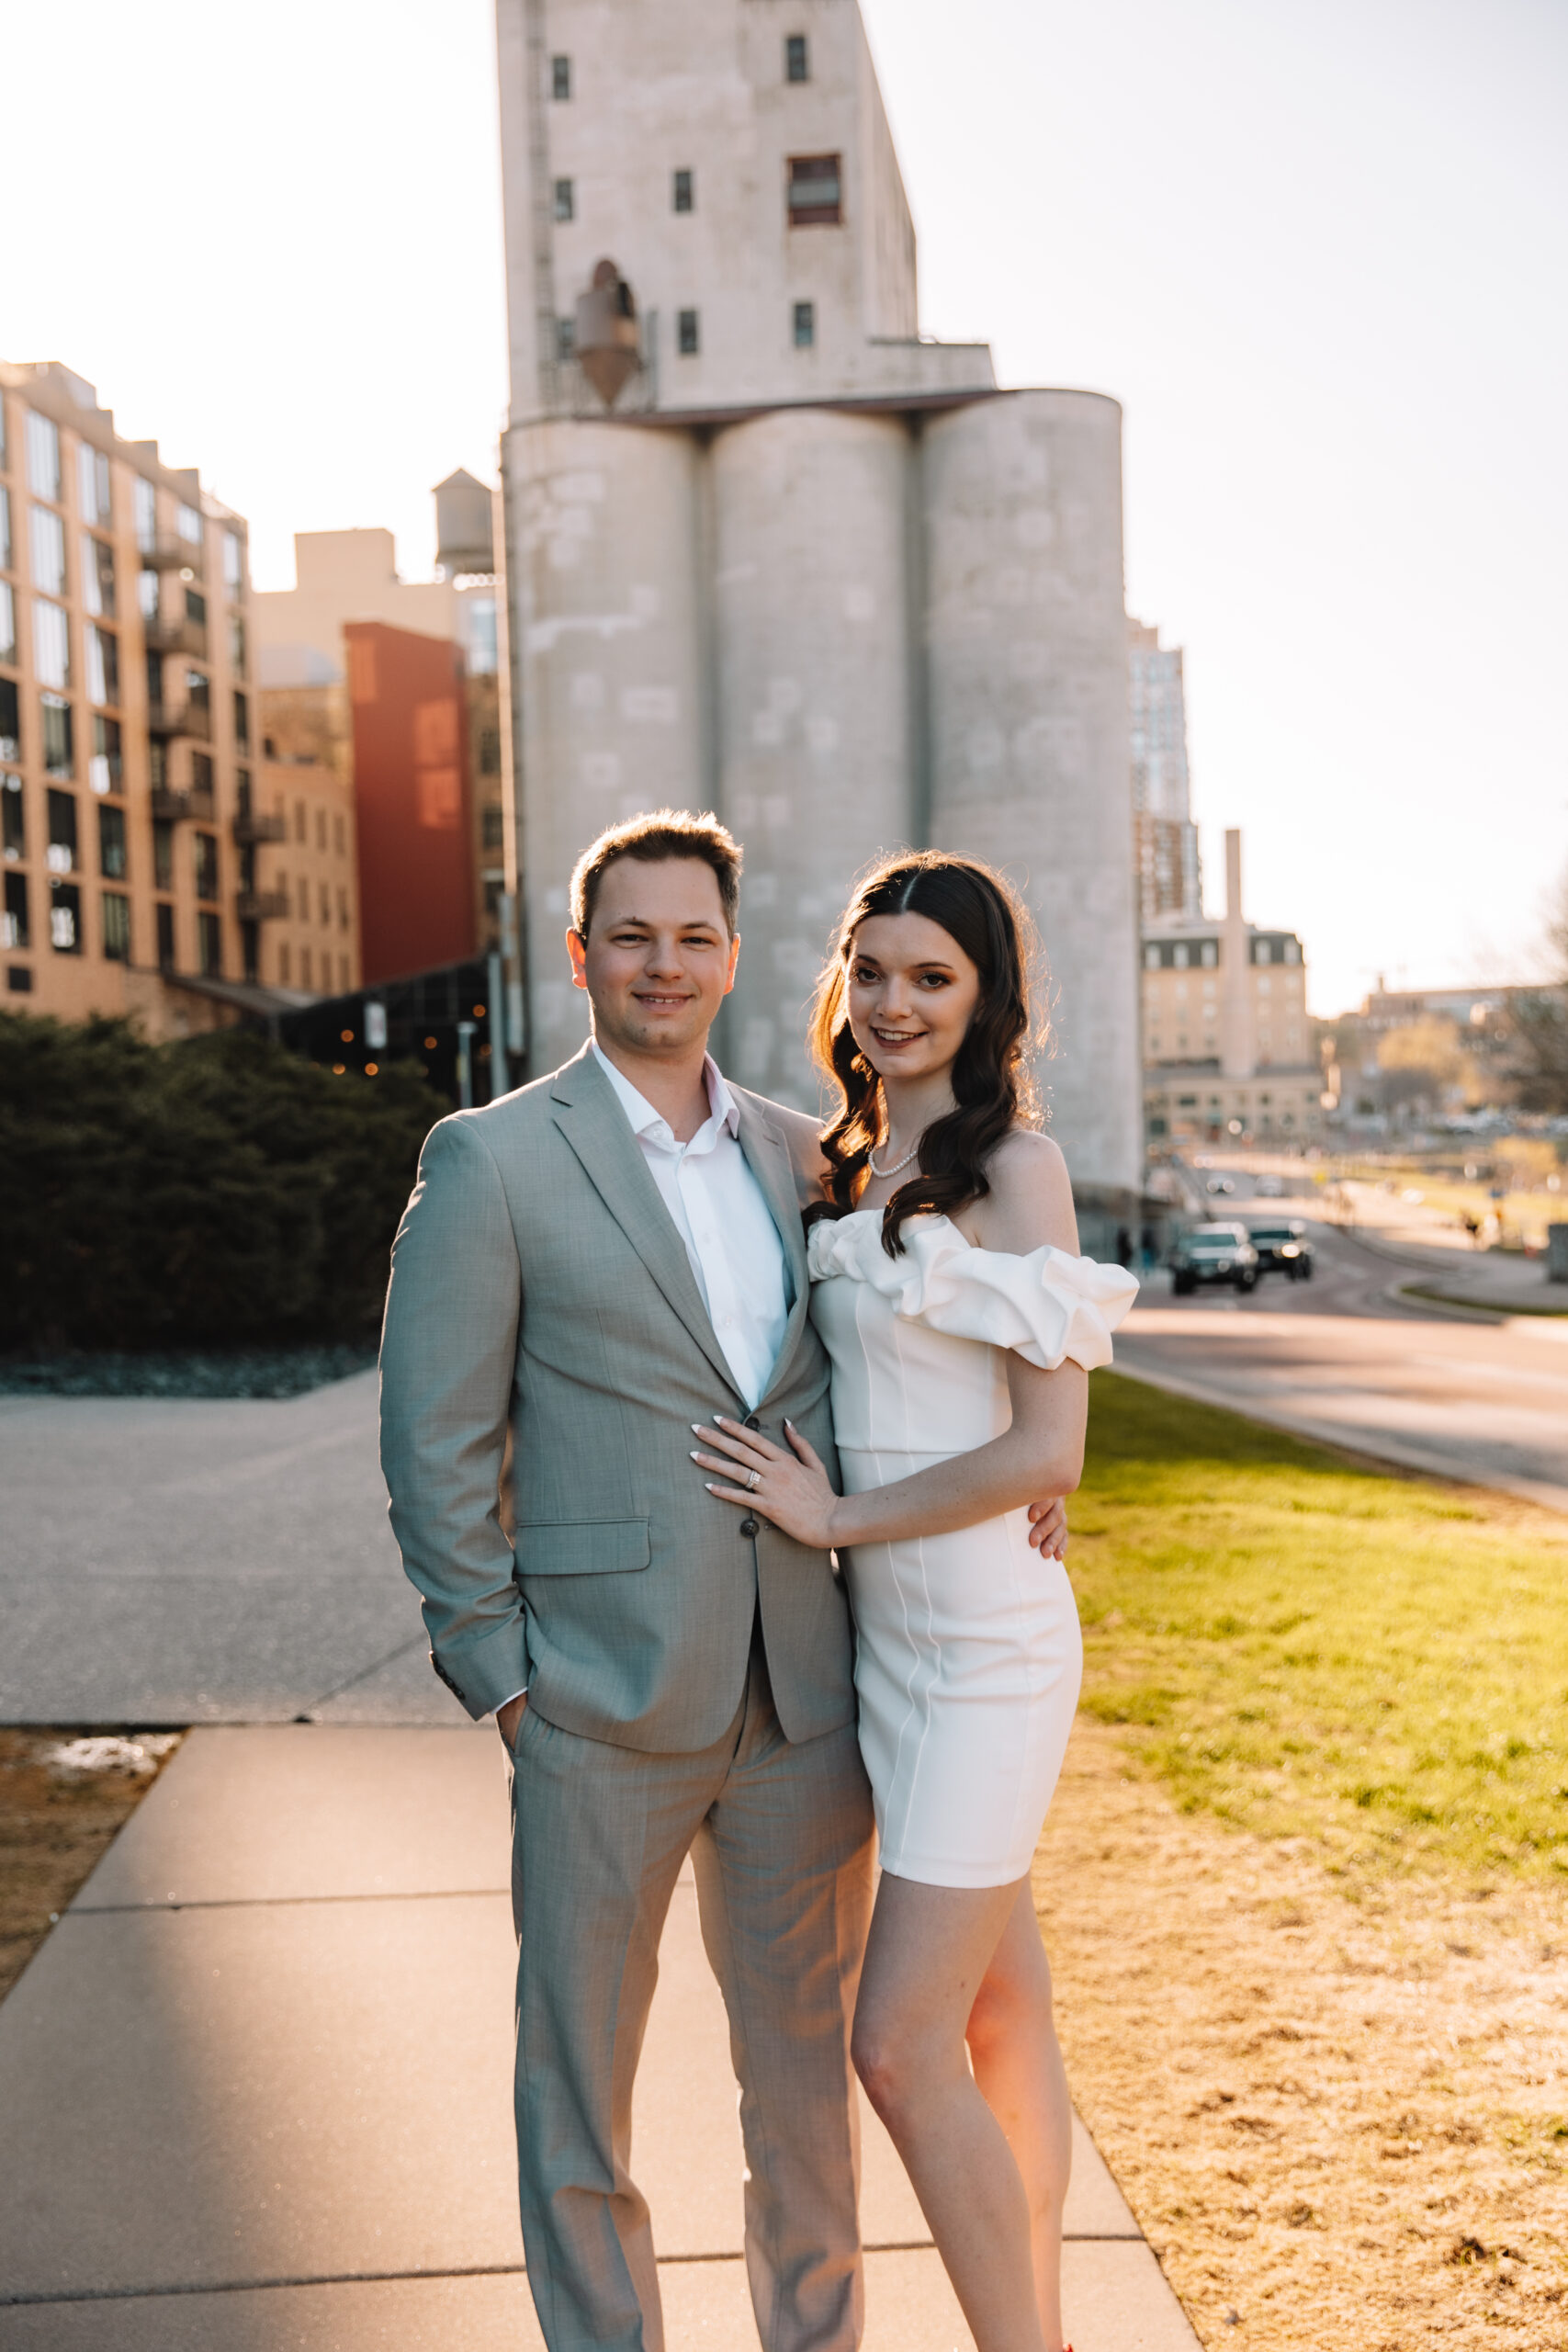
1284 1250
1270 1188
1213 1253
1220 1184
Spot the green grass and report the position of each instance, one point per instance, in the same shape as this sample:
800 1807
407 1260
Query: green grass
1305 1646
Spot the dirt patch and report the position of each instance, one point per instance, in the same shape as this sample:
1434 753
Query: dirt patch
64 1794
1339 2109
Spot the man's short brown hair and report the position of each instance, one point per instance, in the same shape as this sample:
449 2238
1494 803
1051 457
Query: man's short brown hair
658 834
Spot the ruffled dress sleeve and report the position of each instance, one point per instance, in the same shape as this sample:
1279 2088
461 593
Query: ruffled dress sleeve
1048 1306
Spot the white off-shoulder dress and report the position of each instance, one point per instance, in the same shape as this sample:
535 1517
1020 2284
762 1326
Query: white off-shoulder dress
967 1650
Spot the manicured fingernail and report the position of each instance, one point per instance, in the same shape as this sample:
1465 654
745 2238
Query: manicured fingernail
720 1419
695 1455
697 1428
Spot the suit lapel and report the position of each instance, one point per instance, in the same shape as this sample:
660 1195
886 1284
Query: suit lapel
768 1156
594 1125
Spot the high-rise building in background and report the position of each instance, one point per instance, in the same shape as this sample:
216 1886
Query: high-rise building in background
1229 1050
1164 839
127 745
414 718
771 552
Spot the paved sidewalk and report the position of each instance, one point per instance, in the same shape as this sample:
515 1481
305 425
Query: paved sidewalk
257 2090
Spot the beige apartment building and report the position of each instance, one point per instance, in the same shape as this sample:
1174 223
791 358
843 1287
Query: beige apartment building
1228 1052
126 742
306 859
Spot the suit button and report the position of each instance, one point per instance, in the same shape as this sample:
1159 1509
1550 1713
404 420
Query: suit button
752 1422
750 1526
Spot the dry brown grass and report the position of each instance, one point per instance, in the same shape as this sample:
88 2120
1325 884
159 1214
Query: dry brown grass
54 1823
1337 2107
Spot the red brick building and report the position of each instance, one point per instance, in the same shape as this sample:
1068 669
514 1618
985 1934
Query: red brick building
408 699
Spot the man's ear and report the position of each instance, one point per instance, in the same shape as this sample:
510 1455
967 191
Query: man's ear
576 949
734 958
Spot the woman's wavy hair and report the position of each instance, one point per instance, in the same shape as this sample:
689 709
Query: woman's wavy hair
991 1084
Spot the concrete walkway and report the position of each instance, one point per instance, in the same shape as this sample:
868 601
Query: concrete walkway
256 2088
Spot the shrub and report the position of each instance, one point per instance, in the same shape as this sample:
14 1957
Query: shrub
213 1193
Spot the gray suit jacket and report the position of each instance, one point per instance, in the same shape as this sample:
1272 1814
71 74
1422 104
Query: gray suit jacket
539 1283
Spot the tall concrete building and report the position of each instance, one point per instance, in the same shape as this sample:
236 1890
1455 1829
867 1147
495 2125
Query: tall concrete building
127 737
1164 839
771 552
1228 1047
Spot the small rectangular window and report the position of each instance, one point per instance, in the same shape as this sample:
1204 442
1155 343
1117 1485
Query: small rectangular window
233 562
816 191
237 661
46 539
566 202
146 513
165 939
7 622
209 936
162 854
13 818
196 606
104 764
15 929
52 644
804 325
92 483
560 77
797 58
206 847
117 927
4 528
98 576
65 918
242 720
61 832
10 720
59 736
103 664
687 334
684 192
43 456
201 774
111 845
187 522
565 338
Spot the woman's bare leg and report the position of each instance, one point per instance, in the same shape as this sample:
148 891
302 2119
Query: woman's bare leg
926 1961
1017 2064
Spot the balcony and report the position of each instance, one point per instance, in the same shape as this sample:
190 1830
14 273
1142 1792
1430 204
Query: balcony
192 718
251 827
171 807
170 555
262 906
184 636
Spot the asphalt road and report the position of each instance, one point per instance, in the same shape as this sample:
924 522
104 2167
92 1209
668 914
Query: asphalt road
1345 1357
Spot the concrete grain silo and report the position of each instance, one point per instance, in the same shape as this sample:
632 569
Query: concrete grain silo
770 552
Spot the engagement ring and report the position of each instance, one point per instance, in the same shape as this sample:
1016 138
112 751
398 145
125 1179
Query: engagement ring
751 1481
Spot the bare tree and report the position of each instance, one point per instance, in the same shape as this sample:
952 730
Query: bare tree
1537 1048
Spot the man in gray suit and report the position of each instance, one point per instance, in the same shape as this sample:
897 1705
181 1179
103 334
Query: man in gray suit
589 1266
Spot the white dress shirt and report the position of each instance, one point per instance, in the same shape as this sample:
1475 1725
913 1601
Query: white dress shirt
719 1210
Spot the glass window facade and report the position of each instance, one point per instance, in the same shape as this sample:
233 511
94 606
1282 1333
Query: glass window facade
233 562
187 522
43 456
10 720
7 622
209 939
13 818
146 516
98 576
205 865
165 939
162 854
4 528
61 832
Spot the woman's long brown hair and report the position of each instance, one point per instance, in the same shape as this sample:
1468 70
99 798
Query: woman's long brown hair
991 1086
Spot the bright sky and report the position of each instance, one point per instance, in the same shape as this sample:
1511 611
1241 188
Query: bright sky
1318 253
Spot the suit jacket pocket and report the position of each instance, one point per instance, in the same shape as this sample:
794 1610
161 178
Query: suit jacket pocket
582 1547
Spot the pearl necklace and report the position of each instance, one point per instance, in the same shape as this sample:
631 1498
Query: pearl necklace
882 1174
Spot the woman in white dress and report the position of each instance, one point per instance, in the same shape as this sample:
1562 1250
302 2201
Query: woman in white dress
960 1323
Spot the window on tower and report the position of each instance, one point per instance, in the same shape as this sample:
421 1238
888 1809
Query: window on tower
560 77
687 340
815 191
804 325
797 58
566 204
684 192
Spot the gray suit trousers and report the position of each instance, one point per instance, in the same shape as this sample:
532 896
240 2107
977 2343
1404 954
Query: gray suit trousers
781 1838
